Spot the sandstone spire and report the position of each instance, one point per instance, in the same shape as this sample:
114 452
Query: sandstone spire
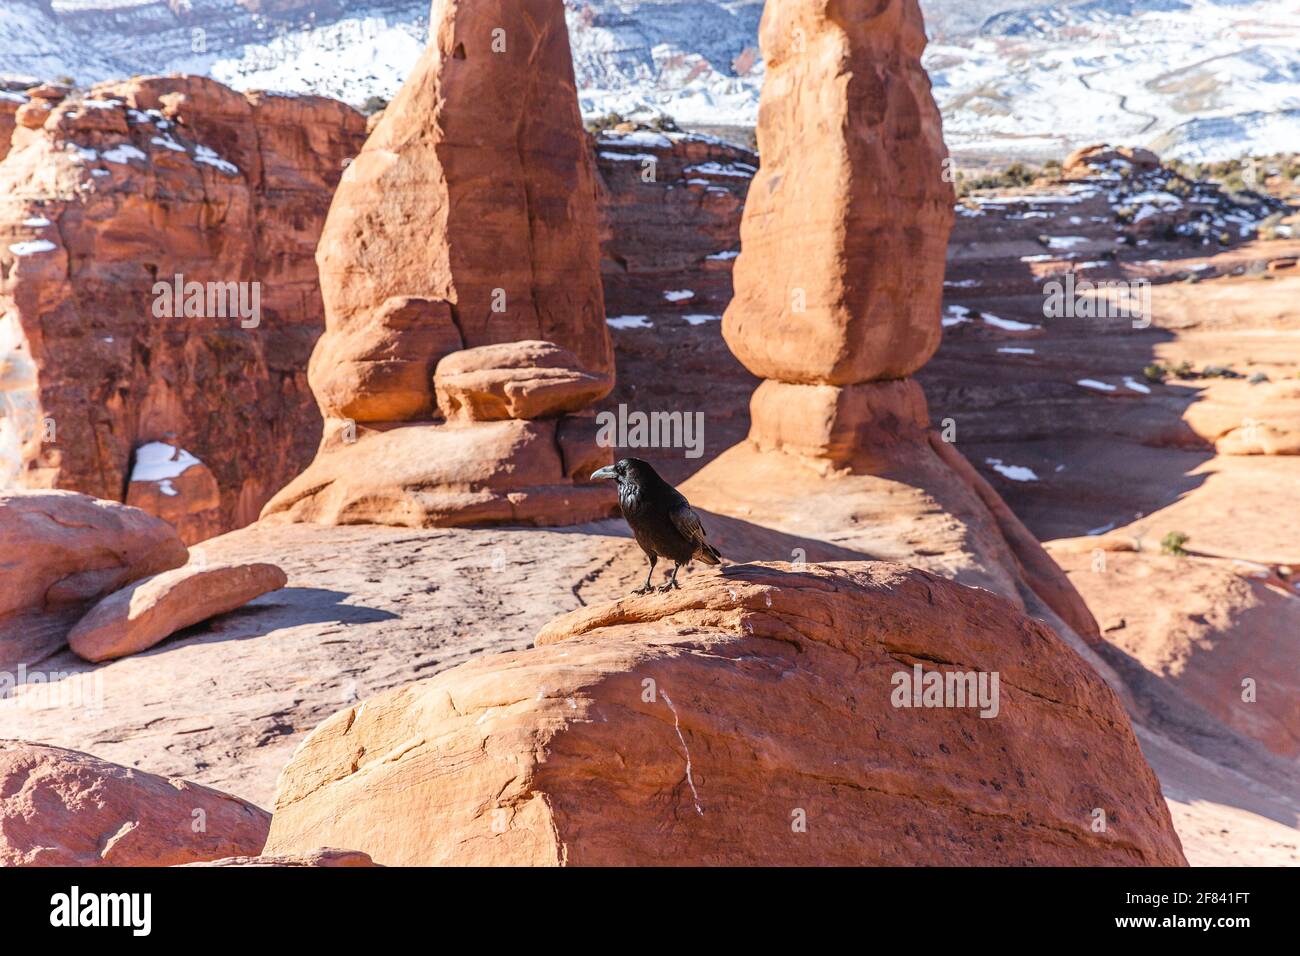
838 291
467 225
468 219
846 225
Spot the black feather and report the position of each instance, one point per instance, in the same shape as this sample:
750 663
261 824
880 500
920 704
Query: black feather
663 522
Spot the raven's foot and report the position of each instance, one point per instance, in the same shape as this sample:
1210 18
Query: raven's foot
669 586
644 590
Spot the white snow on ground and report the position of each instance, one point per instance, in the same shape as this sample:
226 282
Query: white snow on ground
955 315
123 154
1136 386
1007 325
1014 472
1065 242
158 461
36 222
205 154
629 322
32 247
1010 350
679 295
701 319
1095 385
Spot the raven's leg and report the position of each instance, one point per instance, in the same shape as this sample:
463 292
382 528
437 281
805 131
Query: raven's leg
672 579
648 587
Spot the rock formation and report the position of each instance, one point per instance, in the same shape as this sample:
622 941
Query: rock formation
843 238
838 287
467 221
753 718
136 618
60 552
156 255
65 808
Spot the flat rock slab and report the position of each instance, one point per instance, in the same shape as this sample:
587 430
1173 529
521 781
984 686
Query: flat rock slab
138 617
366 608
64 808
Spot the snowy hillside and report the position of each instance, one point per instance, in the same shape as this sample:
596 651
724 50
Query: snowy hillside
1200 79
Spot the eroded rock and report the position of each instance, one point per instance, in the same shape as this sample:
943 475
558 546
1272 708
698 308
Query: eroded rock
138 617
750 718
60 552
66 808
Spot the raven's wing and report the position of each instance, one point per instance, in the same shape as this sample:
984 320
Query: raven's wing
687 523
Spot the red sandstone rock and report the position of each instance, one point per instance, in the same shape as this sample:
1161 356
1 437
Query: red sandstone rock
844 235
10 103
138 617
423 476
475 191
59 553
515 380
1221 632
66 808
468 220
749 719
107 194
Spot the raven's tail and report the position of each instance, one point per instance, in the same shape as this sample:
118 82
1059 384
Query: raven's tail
708 553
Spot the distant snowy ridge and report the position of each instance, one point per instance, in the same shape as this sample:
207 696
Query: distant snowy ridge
1199 79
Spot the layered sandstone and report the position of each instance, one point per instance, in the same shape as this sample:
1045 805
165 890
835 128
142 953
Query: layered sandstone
65 808
670 207
105 199
749 719
460 267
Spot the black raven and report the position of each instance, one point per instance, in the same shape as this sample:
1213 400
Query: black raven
661 519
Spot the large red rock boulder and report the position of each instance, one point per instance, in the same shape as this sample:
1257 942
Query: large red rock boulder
474 195
105 199
522 380
468 223
846 225
66 808
762 716
136 618
424 476
60 552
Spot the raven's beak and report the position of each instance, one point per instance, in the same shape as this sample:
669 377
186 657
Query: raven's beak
606 472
